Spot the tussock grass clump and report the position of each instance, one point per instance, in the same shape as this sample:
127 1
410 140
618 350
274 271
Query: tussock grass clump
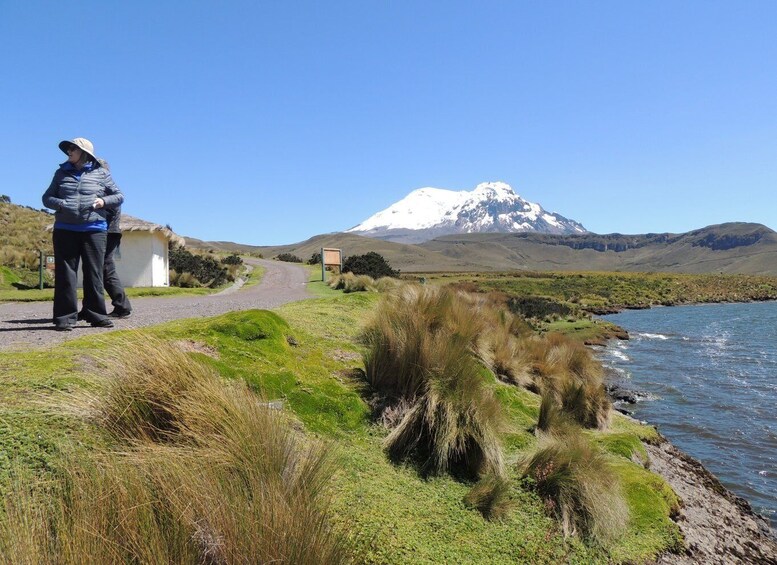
552 418
491 497
421 350
500 343
98 511
349 282
204 472
388 284
579 487
567 371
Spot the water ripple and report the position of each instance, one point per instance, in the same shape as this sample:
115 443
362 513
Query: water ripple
713 370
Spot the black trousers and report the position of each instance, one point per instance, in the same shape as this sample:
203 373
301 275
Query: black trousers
113 286
70 248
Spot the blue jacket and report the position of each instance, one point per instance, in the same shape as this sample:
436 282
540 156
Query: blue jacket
72 193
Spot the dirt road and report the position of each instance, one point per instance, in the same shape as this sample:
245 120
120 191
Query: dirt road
28 324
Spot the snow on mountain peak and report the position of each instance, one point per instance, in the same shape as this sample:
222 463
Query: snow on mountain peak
495 190
491 207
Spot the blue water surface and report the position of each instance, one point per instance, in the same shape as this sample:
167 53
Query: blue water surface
710 372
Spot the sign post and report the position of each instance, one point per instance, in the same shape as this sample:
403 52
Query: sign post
48 260
330 257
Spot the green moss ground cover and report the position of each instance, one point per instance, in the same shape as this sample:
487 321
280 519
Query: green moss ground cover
307 357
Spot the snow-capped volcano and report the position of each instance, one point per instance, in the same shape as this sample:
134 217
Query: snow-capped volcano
428 212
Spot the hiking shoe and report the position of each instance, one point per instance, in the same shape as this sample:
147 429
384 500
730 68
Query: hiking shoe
120 313
65 328
106 323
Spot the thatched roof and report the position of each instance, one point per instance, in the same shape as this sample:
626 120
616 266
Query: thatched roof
131 223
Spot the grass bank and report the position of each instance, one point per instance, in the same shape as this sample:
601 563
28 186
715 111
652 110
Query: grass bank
306 359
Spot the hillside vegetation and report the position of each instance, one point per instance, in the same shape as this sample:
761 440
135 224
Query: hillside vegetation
598 293
216 435
742 248
22 236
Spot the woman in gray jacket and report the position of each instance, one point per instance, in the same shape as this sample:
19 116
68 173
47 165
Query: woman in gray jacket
80 193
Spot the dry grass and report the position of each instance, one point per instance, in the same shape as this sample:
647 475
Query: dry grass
421 352
500 345
568 371
491 497
204 472
579 487
348 282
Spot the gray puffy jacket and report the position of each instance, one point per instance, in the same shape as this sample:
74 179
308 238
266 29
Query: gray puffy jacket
73 198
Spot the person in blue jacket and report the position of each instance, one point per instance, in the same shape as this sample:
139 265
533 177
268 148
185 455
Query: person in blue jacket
81 193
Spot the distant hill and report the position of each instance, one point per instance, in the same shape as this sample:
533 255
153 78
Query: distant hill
726 248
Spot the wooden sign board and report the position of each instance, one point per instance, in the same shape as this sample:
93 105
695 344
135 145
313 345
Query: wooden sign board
50 262
330 257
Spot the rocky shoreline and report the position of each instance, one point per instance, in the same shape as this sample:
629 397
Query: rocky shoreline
717 525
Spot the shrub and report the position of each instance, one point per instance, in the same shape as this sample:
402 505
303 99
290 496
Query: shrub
315 259
206 270
579 487
371 264
288 258
233 259
420 350
538 307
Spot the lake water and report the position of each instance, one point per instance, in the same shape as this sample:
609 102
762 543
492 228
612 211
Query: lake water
710 374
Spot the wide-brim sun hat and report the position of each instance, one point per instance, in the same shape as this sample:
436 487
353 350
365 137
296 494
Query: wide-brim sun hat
82 143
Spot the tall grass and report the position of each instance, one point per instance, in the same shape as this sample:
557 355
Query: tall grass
500 343
491 497
578 486
567 371
421 350
203 472
349 282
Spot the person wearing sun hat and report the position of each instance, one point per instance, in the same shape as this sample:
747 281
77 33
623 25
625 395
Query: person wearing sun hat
81 193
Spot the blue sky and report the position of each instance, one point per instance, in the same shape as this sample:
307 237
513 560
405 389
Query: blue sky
270 122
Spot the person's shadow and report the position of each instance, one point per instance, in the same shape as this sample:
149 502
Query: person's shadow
38 321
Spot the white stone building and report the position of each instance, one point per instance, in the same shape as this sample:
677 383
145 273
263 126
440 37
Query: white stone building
142 258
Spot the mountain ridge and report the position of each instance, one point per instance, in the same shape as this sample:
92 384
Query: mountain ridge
734 247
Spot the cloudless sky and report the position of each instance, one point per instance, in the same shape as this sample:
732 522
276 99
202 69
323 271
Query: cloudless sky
268 122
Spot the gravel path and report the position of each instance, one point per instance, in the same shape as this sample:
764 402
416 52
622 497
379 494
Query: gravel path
28 324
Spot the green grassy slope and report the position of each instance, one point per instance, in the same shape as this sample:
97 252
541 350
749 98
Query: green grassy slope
306 357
